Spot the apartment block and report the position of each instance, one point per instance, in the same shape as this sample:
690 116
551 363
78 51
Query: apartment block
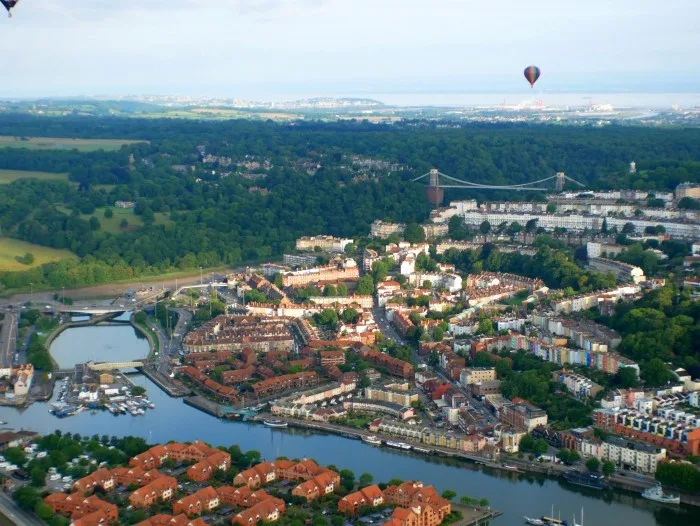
325 243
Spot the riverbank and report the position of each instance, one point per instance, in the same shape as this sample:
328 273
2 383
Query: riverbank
513 464
116 288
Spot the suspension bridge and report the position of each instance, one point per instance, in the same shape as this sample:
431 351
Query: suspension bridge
438 180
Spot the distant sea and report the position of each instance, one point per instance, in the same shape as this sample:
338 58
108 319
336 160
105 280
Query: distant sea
471 100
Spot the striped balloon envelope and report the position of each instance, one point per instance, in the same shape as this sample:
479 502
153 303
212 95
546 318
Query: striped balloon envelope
532 73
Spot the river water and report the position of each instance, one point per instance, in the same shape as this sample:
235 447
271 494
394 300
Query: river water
516 495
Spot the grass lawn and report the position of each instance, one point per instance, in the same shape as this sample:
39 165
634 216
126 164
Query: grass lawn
63 143
516 300
111 224
9 176
12 248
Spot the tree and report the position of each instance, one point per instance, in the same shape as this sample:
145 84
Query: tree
342 289
438 334
94 224
123 223
608 468
689 203
38 477
347 479
551 208
540 447
366 479
137 390
43 511
27 259
626 377
449 494
365 286
593 464
531 225
414 233
485 227
628 228
330 290
656 373
27 497
108 213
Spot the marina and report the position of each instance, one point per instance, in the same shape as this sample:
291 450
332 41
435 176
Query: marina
517 494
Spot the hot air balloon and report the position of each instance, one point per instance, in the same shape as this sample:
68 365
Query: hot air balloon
532 73
9 5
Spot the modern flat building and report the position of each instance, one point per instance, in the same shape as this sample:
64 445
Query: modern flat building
622 271
324 243
382 229
472 375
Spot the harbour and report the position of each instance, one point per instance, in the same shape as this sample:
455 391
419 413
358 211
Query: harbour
516 493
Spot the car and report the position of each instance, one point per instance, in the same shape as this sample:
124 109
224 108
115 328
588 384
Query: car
85 308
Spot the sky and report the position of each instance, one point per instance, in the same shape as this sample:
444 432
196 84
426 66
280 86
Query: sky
259 49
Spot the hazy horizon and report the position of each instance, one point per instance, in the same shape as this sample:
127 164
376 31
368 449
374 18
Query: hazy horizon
257 49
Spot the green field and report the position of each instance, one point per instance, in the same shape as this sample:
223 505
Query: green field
10 176
63 143
12 248
112 224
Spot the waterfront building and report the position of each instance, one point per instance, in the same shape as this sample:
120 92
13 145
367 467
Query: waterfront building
102 478
395 393
161 489
242 497
625 453
363 405
205 468
319 486
203 501
523 415
668 428
269 510
370 496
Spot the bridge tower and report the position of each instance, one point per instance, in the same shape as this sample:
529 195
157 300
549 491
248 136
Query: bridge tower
561 179
434 193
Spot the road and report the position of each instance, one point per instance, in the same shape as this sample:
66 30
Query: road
386 328
171 346
16 514
8 339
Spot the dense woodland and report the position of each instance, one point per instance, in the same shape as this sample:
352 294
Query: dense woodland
207 220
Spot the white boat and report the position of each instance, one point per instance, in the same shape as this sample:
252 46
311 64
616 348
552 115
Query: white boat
372 440
399 445
275 423
656 493
534 522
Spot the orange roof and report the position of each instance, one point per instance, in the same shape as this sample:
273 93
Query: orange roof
162 519
283 464
372 492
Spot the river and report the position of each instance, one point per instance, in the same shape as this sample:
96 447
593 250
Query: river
516 495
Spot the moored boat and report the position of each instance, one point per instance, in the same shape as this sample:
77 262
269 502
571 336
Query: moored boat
372 440
587 480
656 493
533 521
398 445
275 423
